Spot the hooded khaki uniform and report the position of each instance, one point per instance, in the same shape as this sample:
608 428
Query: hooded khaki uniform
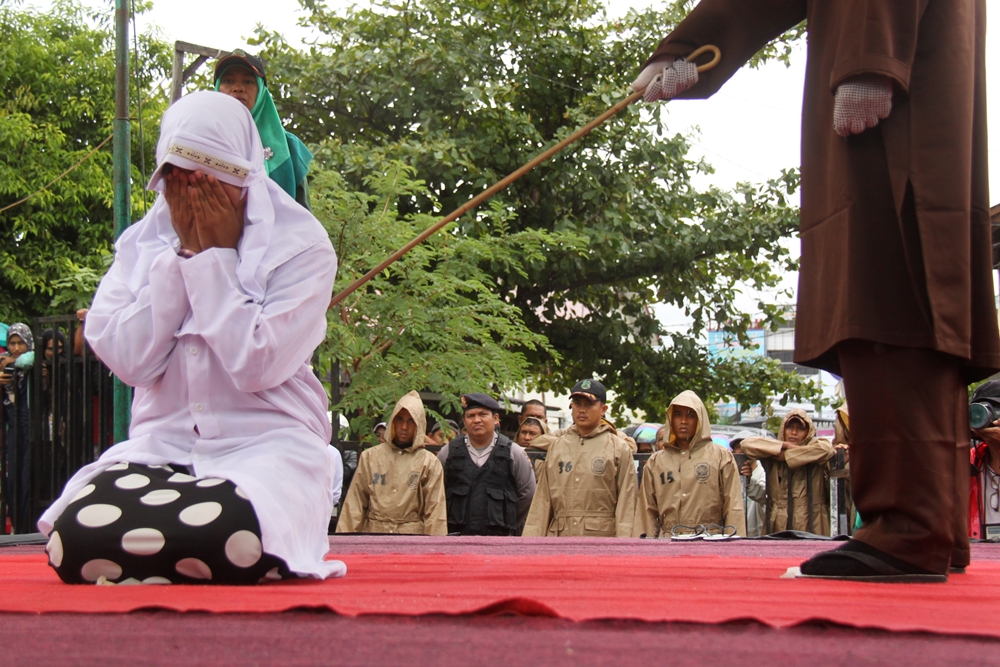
806 468
586 487
699 485
397 490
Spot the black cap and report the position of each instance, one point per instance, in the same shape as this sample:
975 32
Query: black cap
241 57
591 389
987 390
470 401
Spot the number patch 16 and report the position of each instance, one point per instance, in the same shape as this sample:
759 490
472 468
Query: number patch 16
565 466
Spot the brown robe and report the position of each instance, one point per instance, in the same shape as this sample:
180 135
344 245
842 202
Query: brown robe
895 221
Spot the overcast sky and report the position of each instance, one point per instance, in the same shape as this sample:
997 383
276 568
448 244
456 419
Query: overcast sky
749 131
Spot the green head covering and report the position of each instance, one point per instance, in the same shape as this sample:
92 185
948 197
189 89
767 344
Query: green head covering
286 158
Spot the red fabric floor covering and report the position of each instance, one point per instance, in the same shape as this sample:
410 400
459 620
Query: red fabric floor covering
698 588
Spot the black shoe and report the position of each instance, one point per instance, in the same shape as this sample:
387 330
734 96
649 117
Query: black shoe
857 561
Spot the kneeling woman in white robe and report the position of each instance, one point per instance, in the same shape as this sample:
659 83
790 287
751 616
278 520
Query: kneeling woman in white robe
211 310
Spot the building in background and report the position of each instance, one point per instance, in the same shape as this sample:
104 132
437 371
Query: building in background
778 345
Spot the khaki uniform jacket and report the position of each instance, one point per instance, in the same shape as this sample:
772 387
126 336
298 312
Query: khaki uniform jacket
586 488
696 486
397 490
543 442
895 222
802 465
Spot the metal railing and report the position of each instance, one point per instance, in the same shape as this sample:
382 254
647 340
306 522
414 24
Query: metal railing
69 418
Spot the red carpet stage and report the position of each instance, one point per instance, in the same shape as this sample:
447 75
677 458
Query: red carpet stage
632 593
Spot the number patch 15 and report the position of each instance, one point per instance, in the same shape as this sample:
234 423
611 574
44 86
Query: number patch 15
565 466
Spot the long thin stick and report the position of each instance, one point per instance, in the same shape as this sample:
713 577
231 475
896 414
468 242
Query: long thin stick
510 178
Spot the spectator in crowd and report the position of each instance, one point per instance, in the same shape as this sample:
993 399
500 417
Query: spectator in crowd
214 304
530 429
53 344
55 360
379 431
530 436
984 484
754 488
798 475
399 485
532 408
349 457
15 377
443 432
487 478
689 481
79 337
587 485
241 76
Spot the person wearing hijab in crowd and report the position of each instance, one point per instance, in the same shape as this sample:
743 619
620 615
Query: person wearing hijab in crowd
587 485
211 310
15 380
241 76
690 481
798 475
895 288
399 485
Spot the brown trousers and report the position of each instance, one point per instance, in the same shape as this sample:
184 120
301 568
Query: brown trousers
909 451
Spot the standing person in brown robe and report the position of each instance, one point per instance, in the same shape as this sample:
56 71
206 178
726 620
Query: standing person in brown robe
895 291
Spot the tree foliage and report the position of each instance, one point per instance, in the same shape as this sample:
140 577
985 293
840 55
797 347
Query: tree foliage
432 319
464 92
57 89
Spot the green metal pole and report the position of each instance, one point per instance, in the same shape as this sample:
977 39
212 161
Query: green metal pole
122 184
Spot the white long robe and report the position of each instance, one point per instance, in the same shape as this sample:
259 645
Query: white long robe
217 346
194 346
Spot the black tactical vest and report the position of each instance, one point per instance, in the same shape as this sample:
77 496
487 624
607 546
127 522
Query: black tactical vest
481 501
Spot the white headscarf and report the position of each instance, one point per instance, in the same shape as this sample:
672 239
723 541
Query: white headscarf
215 134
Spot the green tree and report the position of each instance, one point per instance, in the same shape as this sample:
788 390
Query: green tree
57 89
432 319
465 92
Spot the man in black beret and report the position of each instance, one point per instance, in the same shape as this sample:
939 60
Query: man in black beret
488 479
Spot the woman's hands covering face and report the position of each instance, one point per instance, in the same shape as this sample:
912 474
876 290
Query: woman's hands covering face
205 213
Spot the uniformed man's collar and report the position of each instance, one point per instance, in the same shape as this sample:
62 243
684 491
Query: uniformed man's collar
468 442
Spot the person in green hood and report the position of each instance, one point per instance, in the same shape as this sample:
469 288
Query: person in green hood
241 76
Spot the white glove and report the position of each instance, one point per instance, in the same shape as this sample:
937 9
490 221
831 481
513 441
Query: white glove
666 80
860 103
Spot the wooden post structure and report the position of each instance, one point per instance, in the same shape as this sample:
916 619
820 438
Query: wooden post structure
180 73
